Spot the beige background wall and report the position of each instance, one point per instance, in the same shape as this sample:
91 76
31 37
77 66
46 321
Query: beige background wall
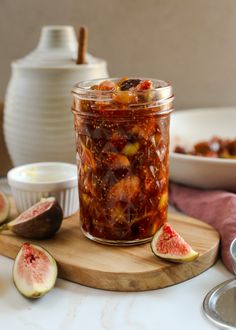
192 43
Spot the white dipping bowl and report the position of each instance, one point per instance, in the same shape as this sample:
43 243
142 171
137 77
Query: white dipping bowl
29 183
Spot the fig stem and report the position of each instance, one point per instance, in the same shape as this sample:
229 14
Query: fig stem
4 227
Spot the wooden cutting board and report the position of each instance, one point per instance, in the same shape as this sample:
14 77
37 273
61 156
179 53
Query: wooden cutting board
122 268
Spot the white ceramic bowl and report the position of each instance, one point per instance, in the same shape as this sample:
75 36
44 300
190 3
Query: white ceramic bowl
29 183
190 126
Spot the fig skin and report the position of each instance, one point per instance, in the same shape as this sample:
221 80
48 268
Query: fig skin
189 253
4 207
34 271
40 226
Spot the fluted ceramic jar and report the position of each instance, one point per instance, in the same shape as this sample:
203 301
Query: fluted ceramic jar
37 124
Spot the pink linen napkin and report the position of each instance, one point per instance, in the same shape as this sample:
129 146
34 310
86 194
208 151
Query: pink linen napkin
215 207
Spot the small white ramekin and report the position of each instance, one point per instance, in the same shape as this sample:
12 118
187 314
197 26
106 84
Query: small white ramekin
29 183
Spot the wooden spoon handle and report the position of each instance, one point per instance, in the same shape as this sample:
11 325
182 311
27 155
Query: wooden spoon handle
83 44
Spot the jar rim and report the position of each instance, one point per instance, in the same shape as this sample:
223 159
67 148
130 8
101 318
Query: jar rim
163 90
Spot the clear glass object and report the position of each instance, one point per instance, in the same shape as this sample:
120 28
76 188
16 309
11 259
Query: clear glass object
122 148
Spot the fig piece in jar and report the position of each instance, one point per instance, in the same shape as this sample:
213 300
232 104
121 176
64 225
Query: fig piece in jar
117 214
116 161
88 182
163 202
146 225
40 221
145 129
124 190
147 179
143 85
34 271
118 222
129 84
118 140
107 85
125 97
85 199
130 149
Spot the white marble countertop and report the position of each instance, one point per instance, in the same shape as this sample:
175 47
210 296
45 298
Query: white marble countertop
71 306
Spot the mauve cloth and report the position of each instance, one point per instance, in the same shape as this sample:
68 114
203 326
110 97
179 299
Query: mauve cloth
215 207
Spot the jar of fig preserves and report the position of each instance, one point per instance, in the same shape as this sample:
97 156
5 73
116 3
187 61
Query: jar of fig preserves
122 151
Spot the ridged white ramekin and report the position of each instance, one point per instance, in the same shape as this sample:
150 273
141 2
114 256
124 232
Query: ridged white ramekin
29 183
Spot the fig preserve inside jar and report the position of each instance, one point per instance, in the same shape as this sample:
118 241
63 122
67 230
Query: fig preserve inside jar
122 150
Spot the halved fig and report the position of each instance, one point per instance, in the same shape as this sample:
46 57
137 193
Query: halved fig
169 245
34 271
40 221
4 207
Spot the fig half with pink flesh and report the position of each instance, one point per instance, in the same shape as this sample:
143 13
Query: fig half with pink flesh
40 221
4 207
168 244
34 271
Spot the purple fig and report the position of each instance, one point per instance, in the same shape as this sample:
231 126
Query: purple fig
40 221
34 271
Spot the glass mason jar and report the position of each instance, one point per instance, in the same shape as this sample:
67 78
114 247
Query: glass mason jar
122 151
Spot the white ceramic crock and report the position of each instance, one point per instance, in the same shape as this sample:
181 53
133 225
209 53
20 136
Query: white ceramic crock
38 125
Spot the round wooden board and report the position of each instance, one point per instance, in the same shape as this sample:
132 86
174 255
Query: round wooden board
122 268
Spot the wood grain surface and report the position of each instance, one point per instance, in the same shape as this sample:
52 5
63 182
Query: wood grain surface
122 268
